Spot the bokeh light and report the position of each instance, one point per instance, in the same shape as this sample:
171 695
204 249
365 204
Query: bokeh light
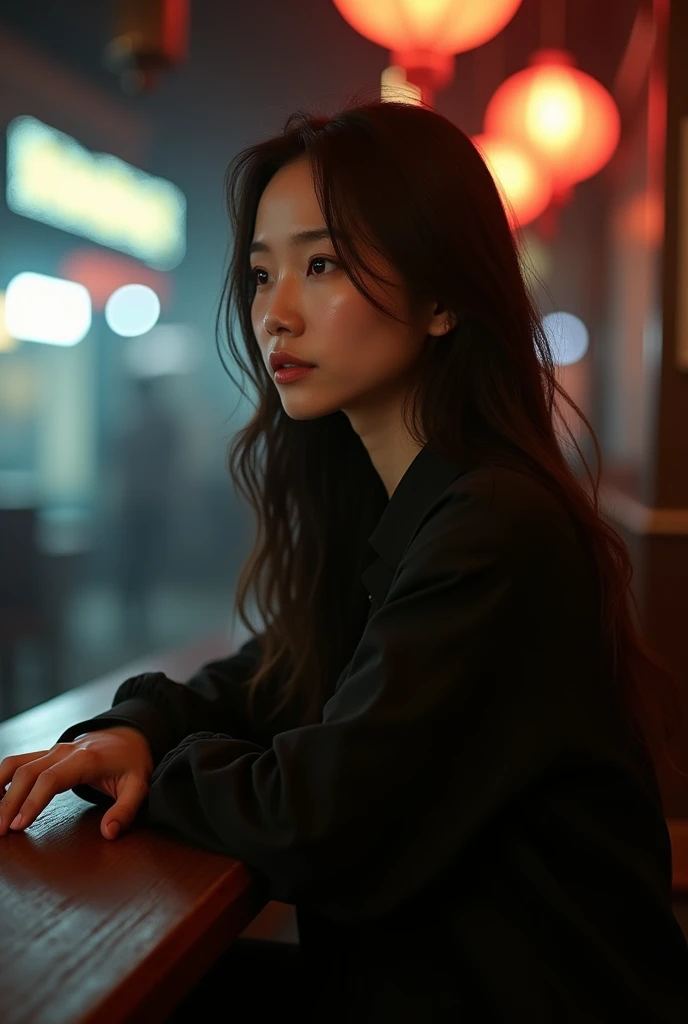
47 309
132 310
568 337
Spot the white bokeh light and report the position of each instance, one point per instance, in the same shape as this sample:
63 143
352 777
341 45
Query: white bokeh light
132 310
568 337
52 178
47 309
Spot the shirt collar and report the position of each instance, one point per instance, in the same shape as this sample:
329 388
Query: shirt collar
420 487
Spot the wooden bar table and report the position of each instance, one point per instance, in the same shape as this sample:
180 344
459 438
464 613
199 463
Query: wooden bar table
105 932
99 932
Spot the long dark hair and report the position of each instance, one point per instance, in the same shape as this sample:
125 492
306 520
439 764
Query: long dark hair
406 181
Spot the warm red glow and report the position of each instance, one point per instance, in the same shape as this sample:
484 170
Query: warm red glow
441 26
520 175
566 116
103 272
640 219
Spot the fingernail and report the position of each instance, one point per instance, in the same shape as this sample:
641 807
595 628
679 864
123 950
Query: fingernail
17 822
113 829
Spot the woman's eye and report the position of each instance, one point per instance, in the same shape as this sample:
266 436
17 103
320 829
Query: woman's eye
316 259
320 259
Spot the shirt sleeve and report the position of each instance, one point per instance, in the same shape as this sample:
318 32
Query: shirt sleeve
435 726
165 711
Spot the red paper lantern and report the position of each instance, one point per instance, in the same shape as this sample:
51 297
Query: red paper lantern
561 113
444 26
423 37
519 173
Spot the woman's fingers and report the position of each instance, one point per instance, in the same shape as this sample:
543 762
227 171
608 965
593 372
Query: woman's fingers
9 768
122 773
34 784
9 765
126 807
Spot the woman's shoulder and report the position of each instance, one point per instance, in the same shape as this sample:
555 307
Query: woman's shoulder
514 489
513 505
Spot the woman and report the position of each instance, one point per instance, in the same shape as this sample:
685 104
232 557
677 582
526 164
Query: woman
440 747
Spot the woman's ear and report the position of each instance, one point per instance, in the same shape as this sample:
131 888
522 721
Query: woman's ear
443 320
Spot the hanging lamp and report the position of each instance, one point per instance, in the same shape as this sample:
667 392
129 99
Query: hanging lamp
562 113
519 173
424 35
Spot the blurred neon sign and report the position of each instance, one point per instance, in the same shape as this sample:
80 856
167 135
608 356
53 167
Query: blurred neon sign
53 179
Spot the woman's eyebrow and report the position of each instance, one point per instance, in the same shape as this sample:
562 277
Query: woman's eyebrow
298 238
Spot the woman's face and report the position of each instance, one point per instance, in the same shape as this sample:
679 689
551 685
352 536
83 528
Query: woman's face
305 303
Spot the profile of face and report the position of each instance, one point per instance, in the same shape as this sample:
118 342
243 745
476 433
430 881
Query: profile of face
305 303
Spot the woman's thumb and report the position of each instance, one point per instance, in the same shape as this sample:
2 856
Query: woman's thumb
122 813
111 829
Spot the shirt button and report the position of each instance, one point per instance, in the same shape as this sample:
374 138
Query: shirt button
370 597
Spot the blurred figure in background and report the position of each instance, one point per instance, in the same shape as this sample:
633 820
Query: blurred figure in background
146 455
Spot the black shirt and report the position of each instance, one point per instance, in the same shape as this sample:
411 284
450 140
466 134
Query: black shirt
468 835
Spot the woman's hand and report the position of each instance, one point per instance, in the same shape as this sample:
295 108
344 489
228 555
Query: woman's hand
117 761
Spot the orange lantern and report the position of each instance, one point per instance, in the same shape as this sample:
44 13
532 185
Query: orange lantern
427 35
520 175
566 116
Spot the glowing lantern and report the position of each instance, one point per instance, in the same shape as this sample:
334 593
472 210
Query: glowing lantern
424 36
519 173
447 26
566 116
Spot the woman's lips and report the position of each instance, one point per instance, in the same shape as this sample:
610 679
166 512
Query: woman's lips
285 376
